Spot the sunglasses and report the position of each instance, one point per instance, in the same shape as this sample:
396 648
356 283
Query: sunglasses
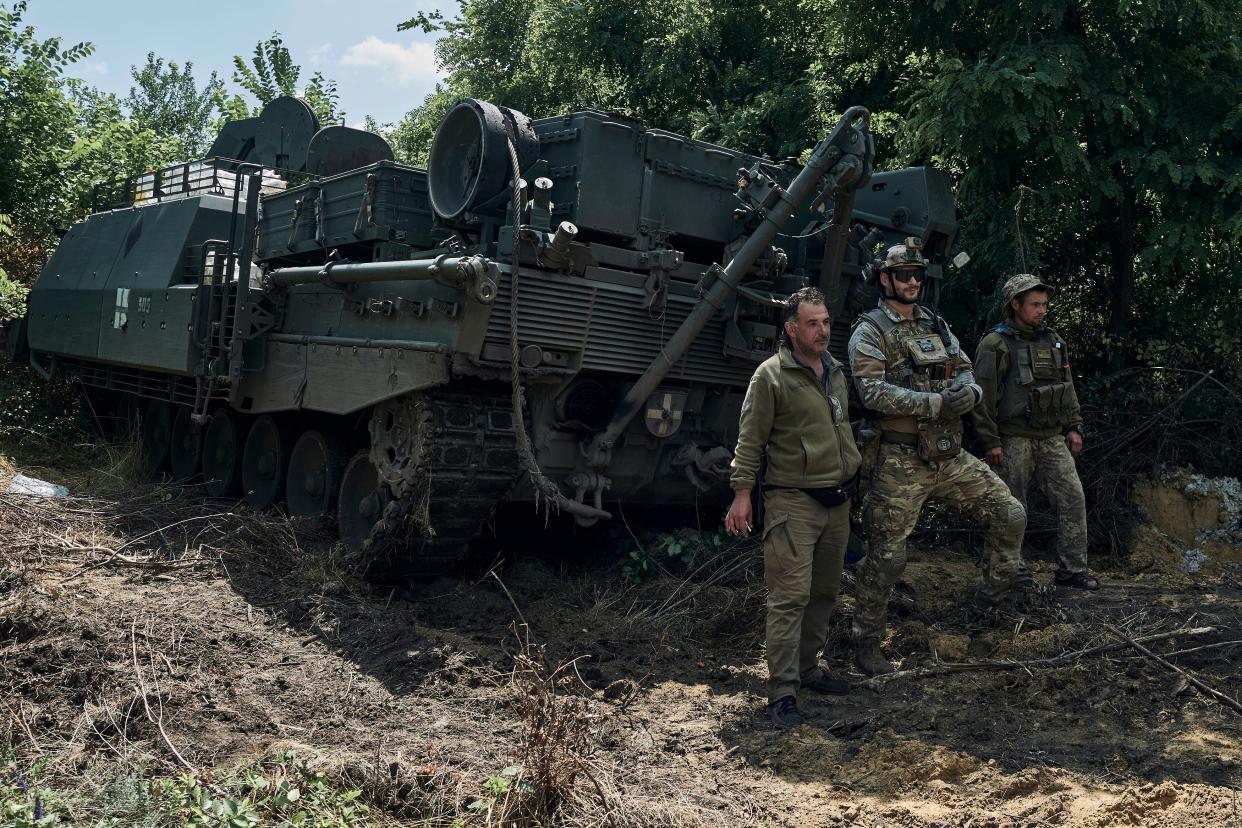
904 276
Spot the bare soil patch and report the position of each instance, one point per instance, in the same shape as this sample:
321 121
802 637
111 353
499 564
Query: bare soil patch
160 631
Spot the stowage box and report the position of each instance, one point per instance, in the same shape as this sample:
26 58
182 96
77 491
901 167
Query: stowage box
381 202
613 175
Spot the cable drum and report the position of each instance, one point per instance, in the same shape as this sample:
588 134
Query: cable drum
469 162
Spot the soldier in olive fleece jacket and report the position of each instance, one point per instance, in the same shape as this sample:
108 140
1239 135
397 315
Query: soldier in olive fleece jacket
796 410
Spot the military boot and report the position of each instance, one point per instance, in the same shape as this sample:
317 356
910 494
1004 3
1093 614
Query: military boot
986 613
784 714
869 659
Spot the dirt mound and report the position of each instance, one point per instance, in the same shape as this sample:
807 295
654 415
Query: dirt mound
1195 523
889 763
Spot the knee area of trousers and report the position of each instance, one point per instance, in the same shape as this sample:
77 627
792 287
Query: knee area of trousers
1013 517
889 563
1074 499
789 599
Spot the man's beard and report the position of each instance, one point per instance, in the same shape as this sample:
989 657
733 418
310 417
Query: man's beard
893 296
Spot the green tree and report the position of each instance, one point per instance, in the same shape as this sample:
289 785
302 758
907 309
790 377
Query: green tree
109 145
167 100
37 120
38 128
58 137
730 72
1116 123
270 72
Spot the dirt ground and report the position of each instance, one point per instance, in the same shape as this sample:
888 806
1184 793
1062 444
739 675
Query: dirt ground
154 629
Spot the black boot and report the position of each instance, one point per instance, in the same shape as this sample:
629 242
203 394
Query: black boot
783 713
824 683
869 659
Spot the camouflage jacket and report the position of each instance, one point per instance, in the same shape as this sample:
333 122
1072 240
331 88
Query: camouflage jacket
1014 388
802 423
897 407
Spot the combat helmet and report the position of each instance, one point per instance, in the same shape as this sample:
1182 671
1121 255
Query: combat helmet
907 254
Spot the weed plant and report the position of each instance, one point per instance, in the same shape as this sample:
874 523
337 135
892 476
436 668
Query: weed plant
281 791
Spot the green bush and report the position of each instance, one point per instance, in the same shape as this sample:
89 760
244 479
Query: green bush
37 411
282 791
672 553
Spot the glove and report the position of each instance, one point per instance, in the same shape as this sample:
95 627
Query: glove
958 399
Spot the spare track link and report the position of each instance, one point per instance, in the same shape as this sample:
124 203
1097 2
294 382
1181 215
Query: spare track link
469 464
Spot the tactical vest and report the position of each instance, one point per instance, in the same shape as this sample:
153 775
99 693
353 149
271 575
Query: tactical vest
916 357
1038 388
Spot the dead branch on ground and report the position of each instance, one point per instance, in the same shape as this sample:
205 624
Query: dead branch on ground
158 721
1203 687
1035 664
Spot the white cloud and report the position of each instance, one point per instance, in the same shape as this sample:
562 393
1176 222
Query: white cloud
405 64
91 68
359 125
320 55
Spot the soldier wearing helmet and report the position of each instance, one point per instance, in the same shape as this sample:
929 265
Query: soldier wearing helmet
911 374
1029 422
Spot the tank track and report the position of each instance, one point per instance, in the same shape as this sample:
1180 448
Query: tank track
453 460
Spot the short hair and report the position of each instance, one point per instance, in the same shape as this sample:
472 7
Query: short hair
800 297
1007 310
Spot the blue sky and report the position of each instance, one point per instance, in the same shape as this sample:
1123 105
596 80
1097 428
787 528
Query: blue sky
379 71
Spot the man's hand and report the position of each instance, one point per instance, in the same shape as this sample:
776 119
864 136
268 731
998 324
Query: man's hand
959 399
995 456
1074 440
737 521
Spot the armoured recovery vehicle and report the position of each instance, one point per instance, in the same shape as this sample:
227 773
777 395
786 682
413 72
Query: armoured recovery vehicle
565 309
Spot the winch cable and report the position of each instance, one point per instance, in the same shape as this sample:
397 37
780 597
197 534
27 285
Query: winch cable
544 486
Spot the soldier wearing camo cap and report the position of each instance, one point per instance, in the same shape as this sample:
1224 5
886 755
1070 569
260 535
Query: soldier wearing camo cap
1029 422
913 377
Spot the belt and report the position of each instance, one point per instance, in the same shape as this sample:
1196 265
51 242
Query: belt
900 437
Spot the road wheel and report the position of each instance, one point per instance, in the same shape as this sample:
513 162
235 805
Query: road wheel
361 501
264 462
222 454
316 466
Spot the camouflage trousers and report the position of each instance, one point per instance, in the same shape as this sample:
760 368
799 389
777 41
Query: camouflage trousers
900 484
803 553
1048 461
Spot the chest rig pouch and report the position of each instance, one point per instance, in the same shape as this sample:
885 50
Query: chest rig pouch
940 438
929 355
918 359
1039 390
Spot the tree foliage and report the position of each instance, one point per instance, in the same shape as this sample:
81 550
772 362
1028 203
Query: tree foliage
38 122
166 100
1096 142
732 72
1114 126
270 72
59 136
